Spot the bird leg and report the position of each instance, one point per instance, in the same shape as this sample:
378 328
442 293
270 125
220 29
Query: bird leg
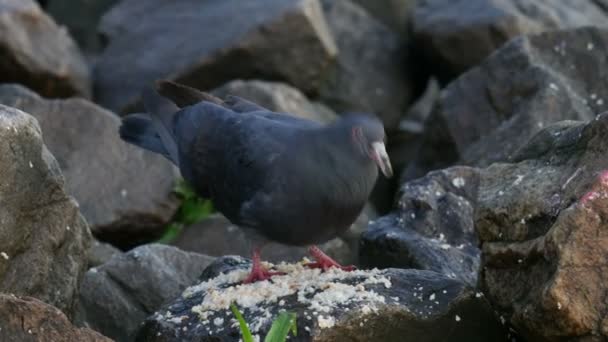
325 262
258 271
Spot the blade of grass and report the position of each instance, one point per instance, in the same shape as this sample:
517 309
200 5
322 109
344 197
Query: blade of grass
281 327
247 337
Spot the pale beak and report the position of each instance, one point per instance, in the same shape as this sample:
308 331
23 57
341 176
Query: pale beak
381 158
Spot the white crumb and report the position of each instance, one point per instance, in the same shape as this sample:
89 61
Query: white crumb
4 255
457 318
458 182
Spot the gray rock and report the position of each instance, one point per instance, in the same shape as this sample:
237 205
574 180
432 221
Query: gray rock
542 224
396 14
123 192
332 306
455 36
216 236
81 18
101 252
28 319
117 296
431 229
38 53
44 239
278 97
205 44
370 73
531 82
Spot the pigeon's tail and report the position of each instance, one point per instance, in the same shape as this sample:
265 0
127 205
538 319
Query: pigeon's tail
153 130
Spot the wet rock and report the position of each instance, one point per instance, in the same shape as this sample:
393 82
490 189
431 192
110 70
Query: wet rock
270 39
370 73
216 236
364 305
542 223
457 35
38 53
533 81
28 319
129 202
432 227
44 239
117 296
278 97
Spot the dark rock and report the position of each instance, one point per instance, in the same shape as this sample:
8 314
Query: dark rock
270 39
43 237
277 97
396 14
366 305
101 252
117 296
81 18
531 82
370 73
28 319
455 36
542 223
38 53
431 229
123 192
216 236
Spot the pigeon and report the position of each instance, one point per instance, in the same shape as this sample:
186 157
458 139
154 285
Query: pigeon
277 176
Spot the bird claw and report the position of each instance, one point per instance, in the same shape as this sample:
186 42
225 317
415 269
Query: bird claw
324 262
260 275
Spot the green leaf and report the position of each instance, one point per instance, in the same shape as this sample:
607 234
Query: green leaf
244 328
171 232
281 327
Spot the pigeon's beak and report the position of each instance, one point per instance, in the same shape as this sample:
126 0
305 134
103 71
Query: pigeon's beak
381 158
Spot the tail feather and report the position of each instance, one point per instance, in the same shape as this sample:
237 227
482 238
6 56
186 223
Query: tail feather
183 95
161 110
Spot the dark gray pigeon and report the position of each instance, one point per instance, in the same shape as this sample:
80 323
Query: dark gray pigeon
286 179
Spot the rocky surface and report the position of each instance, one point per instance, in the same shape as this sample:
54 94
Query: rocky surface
457 35
395 14
432 227
216 236
130 200
278 97
100 252
28 319
37 52
365 305
118 295
531 82
243 46
44 239
542 220
369 74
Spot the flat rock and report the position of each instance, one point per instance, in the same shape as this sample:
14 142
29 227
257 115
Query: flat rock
363 305
457 35
28 319
486 114
216 236
277 97
542 223
118 295
35 51
370 73
130 201
44 240
271 39
432 227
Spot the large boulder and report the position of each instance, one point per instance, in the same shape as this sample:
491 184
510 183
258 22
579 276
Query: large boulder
370 73
28 319
117 296
432 227
44 239
124 192
396 14
38 53
205 44
542 223
531 82
278 97
457 35
363 305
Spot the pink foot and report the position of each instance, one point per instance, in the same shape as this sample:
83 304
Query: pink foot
324 262
259 272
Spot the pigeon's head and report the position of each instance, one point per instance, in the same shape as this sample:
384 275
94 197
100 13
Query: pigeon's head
368 138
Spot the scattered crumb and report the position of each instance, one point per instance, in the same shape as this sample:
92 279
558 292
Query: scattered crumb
458 182
31 165
457 318
432 296
478 295
559 306
281 302
589 46
4 255
67 228
218 321
553 86
325 322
